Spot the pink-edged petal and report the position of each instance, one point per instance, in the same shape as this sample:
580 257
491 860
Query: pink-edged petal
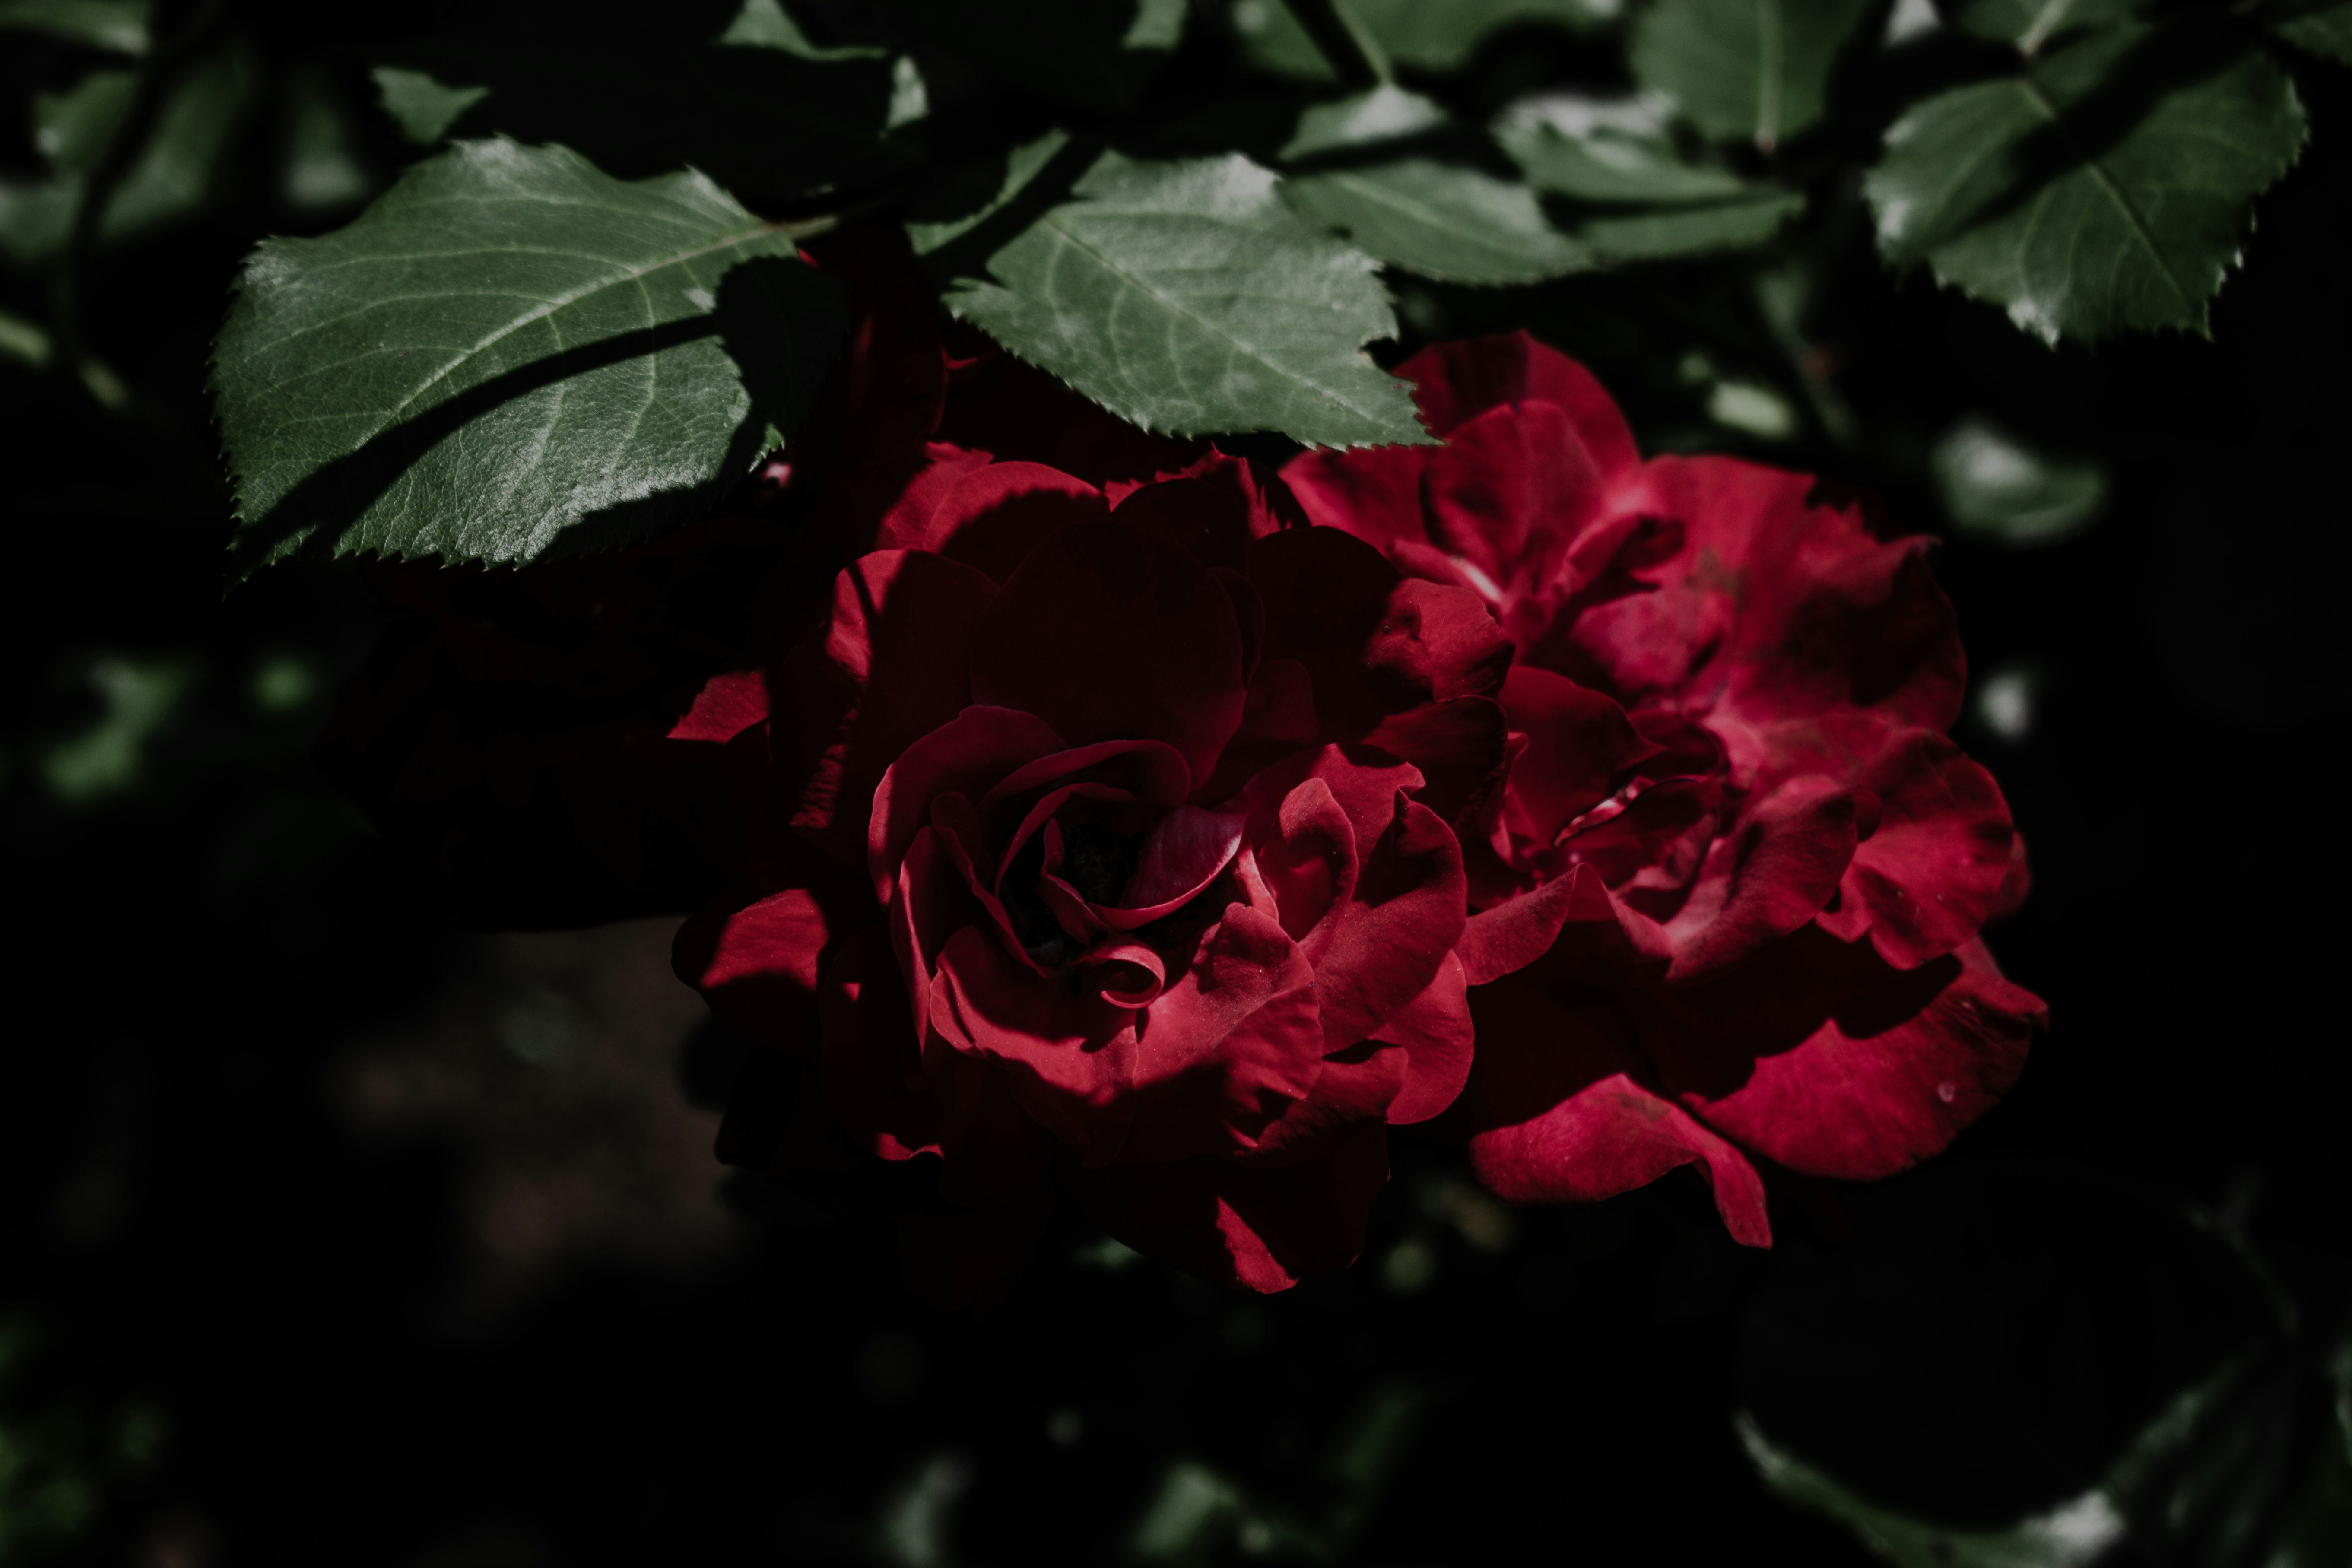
1456 382
1771 873
729 703
1068 1056
892 667
1820 1054
1935 869
1109 632
1125 973
758 965
968 756
995 515
1560 1115
876 1087
1580 744
1232 1043
1260 1228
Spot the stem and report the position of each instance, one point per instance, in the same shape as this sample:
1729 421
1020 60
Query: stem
122 147
1345 42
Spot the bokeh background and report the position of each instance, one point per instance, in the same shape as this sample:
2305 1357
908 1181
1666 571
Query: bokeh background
333 1232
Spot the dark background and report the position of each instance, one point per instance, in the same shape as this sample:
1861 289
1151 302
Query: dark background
331 1233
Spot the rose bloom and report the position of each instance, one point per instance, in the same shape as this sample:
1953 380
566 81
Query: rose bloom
1081 845
1728 902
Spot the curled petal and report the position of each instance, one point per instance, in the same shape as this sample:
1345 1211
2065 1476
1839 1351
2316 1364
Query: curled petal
1069 1057
968 756
1580 744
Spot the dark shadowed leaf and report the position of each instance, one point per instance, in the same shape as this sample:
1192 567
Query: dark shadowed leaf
118 24
2322 27
1755 70
642 90
1424 34
1634 193
1186 297
1444 221
512 356
2106 186
1090 54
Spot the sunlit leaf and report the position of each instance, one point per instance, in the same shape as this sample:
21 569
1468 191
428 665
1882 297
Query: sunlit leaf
1609 149
2108 185
1440 220
509 355
1752 69
1186 297
1384 113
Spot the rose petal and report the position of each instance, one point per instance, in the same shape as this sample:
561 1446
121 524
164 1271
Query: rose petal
1559 1116
758 965
1209 522
1232 1042
1069 1057
1580 744
1109 632
1934 871
1187 850
1455 381
730 702
1822 1055
1772 873
995 515
892 667
968 756
1259 1228
877 1086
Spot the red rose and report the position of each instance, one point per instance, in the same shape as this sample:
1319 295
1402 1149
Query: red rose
1731 900
1099 867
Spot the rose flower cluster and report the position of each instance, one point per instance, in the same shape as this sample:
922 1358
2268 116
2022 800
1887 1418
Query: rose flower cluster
1133 828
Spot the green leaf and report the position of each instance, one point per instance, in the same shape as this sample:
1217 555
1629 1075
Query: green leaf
2030 24
1384 113
1609 149
1423 35
1996 488
323 171
977 193
118 24
1185 297
1752 69
1456 225
512 356
2106 186
2322 27
766 24
174 176
1658 234
1640 195
422 108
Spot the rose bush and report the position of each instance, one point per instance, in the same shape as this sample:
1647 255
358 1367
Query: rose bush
1727 902
1099 839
